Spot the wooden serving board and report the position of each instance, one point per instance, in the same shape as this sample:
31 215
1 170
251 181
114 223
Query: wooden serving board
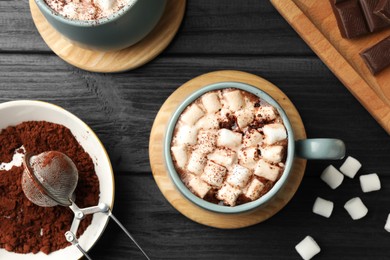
164 182
114 61
315 22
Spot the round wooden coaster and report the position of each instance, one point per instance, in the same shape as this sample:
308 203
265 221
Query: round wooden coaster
165 183
115 61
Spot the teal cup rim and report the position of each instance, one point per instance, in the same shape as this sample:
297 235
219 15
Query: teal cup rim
221 208
84 23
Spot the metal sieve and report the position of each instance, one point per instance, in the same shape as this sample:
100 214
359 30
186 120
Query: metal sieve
50 179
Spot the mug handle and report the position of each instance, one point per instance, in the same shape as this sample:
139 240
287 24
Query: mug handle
320 148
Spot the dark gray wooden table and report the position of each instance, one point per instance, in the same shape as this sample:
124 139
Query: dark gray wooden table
246 35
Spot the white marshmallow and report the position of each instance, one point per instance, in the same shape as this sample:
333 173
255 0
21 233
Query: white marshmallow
186 135
248 157
350 167
208 122
207 141
227 138
323 207
252 138
234 100
244 117
356 208
213 174
272 153
211 102
267 171
224 157
199 187
192 114
274 133
180 154
254 189
387 225
307 248
70 11
197 162
238 177
332 177
370 182
105 4
267 113
228 194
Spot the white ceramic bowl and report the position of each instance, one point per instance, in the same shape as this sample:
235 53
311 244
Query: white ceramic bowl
15 112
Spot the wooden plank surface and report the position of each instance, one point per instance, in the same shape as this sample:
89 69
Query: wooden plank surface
241 35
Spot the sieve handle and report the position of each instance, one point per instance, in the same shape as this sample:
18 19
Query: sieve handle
70 237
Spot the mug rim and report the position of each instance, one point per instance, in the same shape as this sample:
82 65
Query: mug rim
84 23
175 176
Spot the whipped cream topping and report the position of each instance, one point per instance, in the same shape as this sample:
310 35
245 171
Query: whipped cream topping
87 9
229 146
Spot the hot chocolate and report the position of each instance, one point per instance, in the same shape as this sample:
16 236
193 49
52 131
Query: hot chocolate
229 147
87 9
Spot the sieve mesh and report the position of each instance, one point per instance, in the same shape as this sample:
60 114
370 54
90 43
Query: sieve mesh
49 179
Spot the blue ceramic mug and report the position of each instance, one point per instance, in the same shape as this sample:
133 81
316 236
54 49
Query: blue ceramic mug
118 31
320 148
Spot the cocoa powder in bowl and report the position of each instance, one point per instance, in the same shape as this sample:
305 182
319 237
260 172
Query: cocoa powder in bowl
24 226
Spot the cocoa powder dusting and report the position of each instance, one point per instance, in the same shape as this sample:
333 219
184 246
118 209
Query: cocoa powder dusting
24 226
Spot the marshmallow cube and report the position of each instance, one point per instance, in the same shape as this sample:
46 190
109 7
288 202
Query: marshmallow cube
228 138
248 157
267 113
234 100
274 133
213 174
370 182
252 138
198 186
224 157
350 167
272 153
356 208
192 114
105 4
207 122
197 162
332 177
254 189
323 207
207 140
239 176
186 135
180 155
211 102
244 117
387 226
307 248
267 171
228 194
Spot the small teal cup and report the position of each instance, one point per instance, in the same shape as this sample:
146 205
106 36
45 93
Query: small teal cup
319 148
118 31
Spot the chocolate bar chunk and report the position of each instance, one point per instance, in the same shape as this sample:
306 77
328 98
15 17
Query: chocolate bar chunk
375 23
377 57
383 10
350 18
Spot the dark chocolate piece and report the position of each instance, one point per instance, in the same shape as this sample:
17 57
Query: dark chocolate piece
383 10
375 23
350 18
377 57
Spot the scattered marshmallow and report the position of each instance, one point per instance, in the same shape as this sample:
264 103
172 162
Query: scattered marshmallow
370 182
192 114
199 187
244 117
213 174
307 248
350 167
197 162
332 177
272 153
323 207
228 138
211 102
267 113
267 170
387 226
356 208
180 154
234 100
228 194
252 138
186 135
239 176
254 189
224 157
274 133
